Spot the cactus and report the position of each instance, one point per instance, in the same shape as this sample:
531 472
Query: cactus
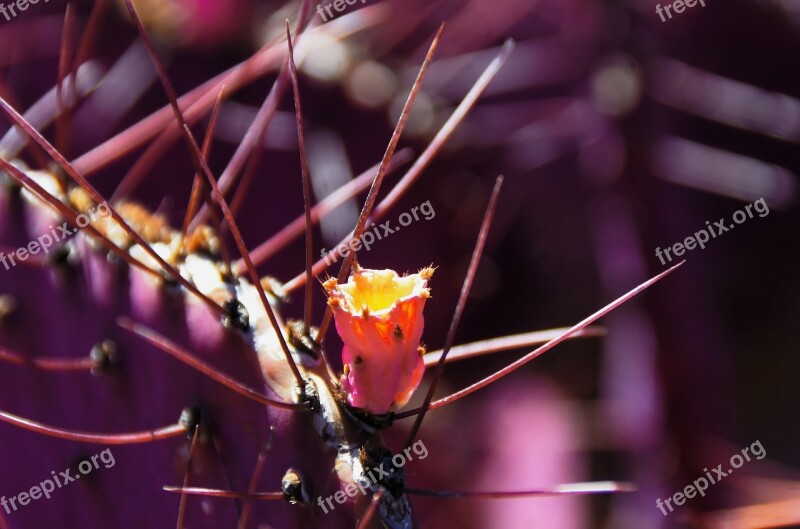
176 368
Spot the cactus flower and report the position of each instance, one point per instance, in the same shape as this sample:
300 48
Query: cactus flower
378 316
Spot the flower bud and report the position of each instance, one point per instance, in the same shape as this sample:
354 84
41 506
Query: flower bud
378 316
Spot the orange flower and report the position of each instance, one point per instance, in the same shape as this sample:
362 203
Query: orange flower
378 315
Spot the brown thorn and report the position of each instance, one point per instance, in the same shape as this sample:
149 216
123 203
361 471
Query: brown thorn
372 196
301 140
505 343
44 111
182 505
248 505
544 348
164 344
241 193
217 223
569 489
148 436
47 363
366 518
295 228
196 102
5 93
480 244
447 130
144 164
89 34
199 183
65 51
161 122
216 493
426 157
251 145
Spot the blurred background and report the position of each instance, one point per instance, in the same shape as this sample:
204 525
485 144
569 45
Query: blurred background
617 133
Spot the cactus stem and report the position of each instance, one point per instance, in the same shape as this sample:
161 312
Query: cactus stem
25 181
98 198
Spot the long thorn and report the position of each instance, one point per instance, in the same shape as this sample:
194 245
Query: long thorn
182 504
294 229
251 488
570 489
144 164
41 159
480 243
546 347
148 436
199 183
301 141
161 122
425 158
174 350
366 518
217 493
65 51
251 144
372 196
505 343
45 109
195 103
47 363
89 33
447 130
